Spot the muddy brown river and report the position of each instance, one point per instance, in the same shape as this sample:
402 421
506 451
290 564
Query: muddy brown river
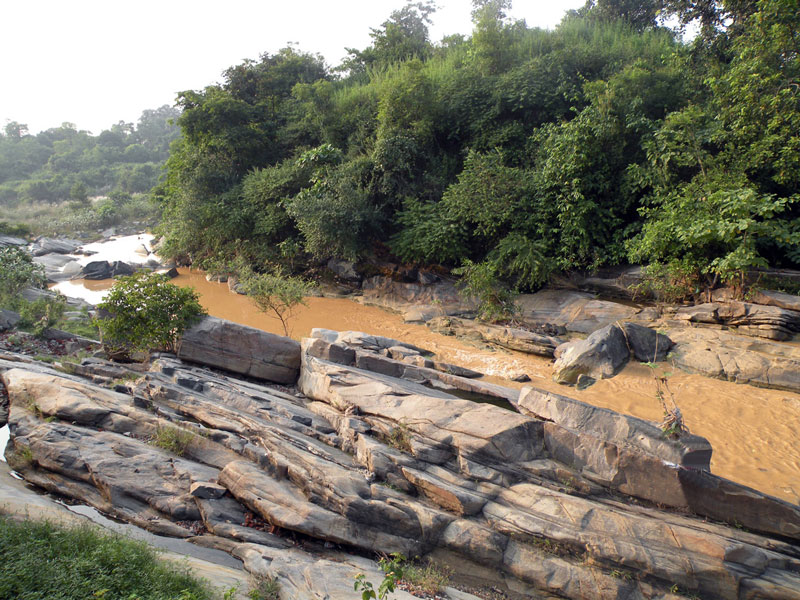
755 433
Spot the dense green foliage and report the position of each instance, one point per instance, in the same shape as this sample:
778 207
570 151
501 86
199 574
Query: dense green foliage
606 140
42 560
17 272
63 163
144 312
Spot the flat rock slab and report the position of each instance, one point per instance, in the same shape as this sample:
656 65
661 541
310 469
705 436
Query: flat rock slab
417 302
513 338
771 322
580 312
726 355
54 246
241 349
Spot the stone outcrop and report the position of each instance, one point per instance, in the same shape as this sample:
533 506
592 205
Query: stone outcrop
607 350
725 355
241 349
102 269
417 302
47 245
618 282
363 460
512 338
8 319
402 361
10 240
580 312
771 322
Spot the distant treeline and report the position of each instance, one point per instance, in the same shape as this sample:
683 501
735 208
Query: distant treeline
63 163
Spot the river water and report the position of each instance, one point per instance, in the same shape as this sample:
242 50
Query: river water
755 432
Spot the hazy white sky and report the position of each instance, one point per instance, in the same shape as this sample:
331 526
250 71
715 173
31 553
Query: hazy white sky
96 62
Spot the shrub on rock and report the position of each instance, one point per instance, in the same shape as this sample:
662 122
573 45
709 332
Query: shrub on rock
144 312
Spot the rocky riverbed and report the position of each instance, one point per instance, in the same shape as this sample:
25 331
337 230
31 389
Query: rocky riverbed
348 444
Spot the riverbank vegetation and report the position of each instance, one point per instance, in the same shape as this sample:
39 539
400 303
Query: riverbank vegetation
42 560
606 140
610 139
65 180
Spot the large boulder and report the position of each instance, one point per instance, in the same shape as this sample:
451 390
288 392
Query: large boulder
241 349
102 269
646 344
603 354
600 356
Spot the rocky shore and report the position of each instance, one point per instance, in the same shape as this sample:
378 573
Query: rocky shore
347 445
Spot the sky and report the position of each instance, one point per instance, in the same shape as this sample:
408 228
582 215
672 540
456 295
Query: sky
96 62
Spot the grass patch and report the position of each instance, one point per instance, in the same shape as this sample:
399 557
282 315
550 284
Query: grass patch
264 588
172 439
400 438
43 560
429 578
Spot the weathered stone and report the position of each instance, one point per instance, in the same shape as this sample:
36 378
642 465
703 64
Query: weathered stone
771 322
599 356
689 451
645 344
8 319
240 349
577 311
46 245
102 269
462 478
506 337
207 490
743 359
9 240
415 301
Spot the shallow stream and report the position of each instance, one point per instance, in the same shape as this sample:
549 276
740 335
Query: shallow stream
755 432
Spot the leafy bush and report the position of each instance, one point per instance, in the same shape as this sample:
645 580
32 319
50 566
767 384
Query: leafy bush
146 312
335 215
43 313
479 280
17 272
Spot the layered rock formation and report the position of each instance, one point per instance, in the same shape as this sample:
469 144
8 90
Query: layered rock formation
367 460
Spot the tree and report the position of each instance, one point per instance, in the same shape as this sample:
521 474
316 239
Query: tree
639 14
275 294
145 312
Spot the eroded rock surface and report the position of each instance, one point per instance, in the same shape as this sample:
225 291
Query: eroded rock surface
607 350
417 302
581 312
771 322
360 459
241 349
512 338
743 359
